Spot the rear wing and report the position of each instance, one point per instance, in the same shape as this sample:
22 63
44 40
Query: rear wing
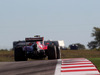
34 39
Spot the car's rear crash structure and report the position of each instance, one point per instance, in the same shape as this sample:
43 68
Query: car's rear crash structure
35 48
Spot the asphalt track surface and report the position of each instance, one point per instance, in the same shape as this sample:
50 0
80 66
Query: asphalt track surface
38 67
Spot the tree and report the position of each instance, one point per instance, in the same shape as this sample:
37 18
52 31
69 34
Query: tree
92 44
80 46
96 42
96 34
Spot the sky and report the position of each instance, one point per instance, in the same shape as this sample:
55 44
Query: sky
68 20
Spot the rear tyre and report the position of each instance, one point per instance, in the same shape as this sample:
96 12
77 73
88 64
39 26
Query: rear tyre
58 52
19 55
52 52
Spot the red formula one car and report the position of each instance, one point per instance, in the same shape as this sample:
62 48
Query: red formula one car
36 48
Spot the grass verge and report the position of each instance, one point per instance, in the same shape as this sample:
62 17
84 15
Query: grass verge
6 56
96 62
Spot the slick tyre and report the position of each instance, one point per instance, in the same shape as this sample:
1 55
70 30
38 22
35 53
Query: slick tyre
52 54
19 55
58 52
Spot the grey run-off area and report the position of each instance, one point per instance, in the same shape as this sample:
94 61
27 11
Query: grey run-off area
38 67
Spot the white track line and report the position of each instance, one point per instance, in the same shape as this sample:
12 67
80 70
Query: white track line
58 67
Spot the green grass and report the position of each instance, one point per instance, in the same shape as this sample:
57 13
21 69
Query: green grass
95 61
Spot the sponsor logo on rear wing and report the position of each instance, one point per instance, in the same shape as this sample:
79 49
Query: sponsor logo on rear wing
34 39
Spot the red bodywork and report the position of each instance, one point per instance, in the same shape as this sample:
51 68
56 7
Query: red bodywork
37 40
41 46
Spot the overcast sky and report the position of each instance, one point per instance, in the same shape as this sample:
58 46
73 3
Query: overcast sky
68 20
